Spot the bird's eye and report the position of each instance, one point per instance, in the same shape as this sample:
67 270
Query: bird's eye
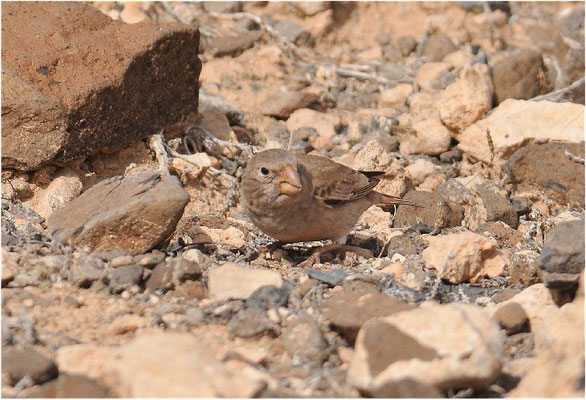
264 171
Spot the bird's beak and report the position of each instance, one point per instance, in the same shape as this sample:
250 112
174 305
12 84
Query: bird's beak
289 182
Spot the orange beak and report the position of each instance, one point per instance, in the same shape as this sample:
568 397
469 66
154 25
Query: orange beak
289 182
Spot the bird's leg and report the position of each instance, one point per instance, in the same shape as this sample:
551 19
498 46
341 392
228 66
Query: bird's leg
315 258
359 250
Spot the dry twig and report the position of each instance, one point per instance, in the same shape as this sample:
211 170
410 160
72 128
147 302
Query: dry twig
556 95
157 145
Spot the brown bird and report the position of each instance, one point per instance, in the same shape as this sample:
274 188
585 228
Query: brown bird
300 198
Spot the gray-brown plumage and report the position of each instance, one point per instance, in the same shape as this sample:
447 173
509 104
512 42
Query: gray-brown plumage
298 198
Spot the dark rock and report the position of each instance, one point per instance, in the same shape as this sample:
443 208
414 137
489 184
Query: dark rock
123 278
406 45
497 207
20 362
214 120
222 7
347 311
451 156
512 318
434 211
283 104
303 338
406 244
266 297
233 45
503 233
545 168
294 32
562 257
71 91
437 46
168 275
133 213
333 277
505 295
519 76
251 322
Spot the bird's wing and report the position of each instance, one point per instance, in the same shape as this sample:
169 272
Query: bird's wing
335 182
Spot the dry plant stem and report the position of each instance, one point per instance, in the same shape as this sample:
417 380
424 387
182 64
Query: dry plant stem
573 157
557 94
157 145
218 142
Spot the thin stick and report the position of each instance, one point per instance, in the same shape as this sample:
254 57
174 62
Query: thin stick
557 94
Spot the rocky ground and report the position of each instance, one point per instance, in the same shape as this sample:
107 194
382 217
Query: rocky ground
122 279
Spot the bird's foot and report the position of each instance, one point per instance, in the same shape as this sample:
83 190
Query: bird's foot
315 258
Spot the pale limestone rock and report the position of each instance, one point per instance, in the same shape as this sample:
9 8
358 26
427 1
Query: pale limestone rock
445 346
233 282
431 138
464 256
515 123
466 100
324 124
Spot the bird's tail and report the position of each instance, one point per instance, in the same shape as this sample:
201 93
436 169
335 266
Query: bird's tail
385 199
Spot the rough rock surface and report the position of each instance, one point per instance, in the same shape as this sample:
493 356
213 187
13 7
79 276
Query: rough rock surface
63 189
562 257
466 100
519 76
445 346
347 311
133 213
464 256
515 123
545 168
266 326
429 137
134 370
98 84
434 211
559 366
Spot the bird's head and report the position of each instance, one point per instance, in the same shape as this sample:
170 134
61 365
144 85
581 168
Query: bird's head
274 177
